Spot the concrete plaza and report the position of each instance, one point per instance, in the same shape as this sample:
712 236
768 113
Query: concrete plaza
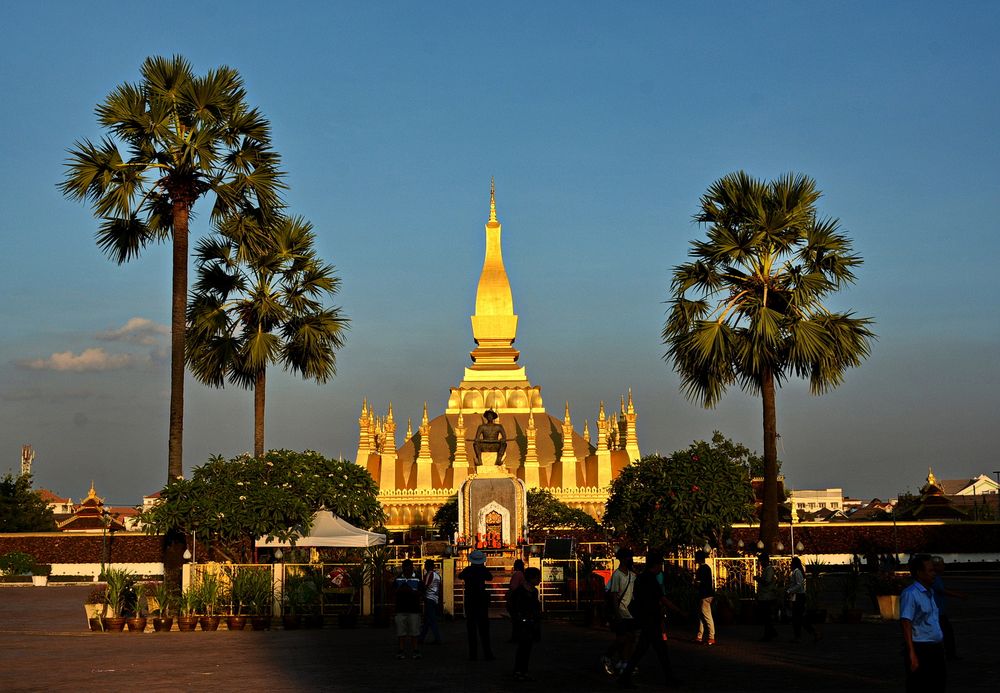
44 645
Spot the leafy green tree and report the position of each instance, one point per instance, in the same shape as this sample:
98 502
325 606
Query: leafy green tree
254 308
749 309
545 511
687 498
184 137
446 518
21 508
230 503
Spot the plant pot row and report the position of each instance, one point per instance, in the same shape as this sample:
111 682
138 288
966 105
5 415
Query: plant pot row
117 624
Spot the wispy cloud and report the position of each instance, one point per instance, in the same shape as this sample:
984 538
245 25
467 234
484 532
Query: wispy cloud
136 331
93 359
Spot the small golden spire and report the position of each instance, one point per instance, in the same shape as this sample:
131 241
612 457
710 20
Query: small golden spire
493 202
409 428
931 479
600 414
423 421
566 418
586 431
531 420
364 407
93 492
631 407
623 405
388 416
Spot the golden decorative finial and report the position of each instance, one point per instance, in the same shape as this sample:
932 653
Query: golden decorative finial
623 405
93 492
931 479
493 202
388 416
409 428
586 431
423 421
531 420
600 414
631 407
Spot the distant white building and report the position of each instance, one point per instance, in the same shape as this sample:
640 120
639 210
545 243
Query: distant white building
813 500
977 486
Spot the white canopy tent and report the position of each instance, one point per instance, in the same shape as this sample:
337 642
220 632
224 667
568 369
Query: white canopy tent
330 531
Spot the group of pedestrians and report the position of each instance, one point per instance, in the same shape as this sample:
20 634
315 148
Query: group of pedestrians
769 592
523 606
409 589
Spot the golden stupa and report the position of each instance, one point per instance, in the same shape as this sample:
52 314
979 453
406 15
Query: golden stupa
418 477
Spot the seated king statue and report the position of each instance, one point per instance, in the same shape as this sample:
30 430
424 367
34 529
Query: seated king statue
490 437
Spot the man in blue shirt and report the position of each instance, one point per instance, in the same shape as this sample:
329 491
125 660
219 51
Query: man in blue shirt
923 653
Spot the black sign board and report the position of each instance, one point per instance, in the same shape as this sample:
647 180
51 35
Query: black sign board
559 549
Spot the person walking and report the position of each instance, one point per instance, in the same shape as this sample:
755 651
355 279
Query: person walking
923 641
797 594
706 594
407 590
477 604
940 598
647 609
526 611
516 580
767 596
619 596
431 586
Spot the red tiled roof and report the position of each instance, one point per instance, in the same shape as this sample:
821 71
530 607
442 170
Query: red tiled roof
49 497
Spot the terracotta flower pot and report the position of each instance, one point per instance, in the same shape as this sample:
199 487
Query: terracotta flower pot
136 625
114 624
210 622
95 624
163 624
236 622
186 624
260 622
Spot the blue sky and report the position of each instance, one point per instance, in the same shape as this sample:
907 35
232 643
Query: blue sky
603 123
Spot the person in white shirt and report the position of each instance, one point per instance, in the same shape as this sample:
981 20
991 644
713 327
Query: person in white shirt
619 596
431 587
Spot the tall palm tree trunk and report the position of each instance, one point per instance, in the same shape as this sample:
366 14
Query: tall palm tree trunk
178 315
259 388
769 511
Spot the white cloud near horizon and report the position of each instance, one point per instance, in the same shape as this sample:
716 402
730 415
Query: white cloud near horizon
88 360
136 331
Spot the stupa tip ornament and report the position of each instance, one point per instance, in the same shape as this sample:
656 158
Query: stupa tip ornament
493 202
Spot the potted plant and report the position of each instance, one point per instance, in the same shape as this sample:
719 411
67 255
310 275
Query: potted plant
886 588
40 574
294 599
375 568
119 584
161 601
208 595
137 609
186 605
96 606
312 616
260 596
238 595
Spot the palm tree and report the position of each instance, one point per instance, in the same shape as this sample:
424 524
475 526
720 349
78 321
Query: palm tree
748 308
185 136
252 308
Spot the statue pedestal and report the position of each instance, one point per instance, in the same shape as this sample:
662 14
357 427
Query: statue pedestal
493 502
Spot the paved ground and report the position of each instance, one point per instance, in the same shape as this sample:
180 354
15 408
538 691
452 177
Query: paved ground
44 645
